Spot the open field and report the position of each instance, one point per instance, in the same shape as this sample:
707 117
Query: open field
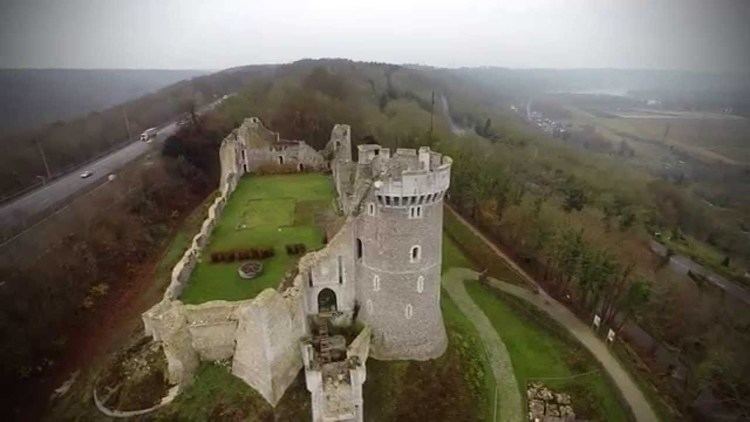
711 139
264 211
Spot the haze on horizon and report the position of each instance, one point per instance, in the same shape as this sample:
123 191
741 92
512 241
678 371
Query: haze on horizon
692 35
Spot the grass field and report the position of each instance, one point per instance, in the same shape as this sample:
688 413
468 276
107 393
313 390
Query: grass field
538 346
264 211
540 350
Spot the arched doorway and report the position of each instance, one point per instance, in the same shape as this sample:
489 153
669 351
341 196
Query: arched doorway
326 301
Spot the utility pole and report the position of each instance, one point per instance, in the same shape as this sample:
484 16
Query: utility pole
44 159
127 122
432 114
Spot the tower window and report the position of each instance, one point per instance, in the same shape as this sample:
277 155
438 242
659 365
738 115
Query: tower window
415 212
370 307
420 284
371 209
376 283
359 248
409 311
415 254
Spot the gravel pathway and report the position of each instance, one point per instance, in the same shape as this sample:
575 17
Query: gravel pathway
508 397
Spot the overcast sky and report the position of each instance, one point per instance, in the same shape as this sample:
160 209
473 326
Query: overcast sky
711 35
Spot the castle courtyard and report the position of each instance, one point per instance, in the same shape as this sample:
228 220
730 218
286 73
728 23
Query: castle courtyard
265 211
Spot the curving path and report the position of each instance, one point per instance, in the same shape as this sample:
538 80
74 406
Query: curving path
640 407
508 396
631 393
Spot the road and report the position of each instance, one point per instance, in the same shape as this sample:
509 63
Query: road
682 264
18 214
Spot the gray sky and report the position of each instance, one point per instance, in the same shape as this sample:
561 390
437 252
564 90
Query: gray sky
709 35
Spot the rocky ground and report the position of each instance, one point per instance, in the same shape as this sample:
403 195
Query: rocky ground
547 406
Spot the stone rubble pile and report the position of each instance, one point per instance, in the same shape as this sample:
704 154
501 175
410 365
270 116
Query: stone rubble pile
548 406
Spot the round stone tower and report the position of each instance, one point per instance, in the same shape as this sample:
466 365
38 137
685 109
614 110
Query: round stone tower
398 251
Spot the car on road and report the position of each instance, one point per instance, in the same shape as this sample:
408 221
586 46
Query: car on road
149 134
86 174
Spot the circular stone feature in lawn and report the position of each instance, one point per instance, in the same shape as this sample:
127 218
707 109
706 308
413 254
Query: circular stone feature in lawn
250 269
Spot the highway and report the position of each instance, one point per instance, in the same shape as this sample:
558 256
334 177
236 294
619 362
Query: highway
16 215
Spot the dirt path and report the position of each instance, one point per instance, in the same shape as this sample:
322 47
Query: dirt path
632 394
508 396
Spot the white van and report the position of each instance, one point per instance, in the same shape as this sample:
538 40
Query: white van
149 134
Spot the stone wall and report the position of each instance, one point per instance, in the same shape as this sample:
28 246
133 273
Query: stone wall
269 330
260 335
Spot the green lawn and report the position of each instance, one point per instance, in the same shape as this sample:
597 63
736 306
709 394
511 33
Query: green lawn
537 345
264 211
539 348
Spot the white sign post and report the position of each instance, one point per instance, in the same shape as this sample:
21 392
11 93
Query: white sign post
610 336
597 321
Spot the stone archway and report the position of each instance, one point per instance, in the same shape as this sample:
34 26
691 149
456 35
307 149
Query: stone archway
327 301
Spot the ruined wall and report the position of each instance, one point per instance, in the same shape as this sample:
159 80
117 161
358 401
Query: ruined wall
338 399
260 335
269 330
209 331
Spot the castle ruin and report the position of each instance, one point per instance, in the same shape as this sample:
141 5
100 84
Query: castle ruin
380 270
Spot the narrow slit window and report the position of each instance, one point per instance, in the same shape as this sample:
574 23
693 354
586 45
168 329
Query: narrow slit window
376 283
370 209
415 254
409 311
341 269
420 284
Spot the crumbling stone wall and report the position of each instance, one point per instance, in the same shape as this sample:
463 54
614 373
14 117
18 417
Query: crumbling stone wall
266 356
334 398
260 335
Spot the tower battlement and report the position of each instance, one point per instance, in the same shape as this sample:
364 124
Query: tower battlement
408 177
